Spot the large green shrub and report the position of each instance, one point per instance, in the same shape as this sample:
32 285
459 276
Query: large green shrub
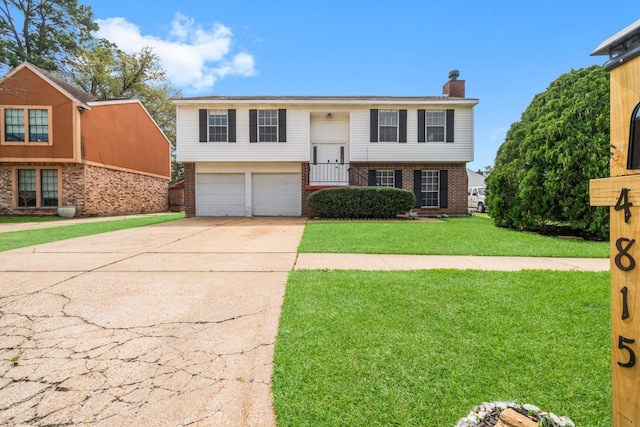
361 202
540 180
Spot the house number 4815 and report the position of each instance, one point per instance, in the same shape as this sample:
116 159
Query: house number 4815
625 262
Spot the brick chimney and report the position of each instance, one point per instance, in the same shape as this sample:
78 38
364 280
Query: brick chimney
454 87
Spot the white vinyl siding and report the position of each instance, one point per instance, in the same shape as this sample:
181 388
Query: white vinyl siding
461 150
308 125
189 148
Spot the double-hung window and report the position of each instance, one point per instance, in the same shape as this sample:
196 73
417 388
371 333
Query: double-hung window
37 187
388 125
385 178
267 125
218 125
24 125
430 189
435 122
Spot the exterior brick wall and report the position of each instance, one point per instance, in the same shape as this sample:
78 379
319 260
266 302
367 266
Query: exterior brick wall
92 190
359 173
118 192
5 189
190 189
458 189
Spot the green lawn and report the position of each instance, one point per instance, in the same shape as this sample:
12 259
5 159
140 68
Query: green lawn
422 348
20 239
452 236
20 219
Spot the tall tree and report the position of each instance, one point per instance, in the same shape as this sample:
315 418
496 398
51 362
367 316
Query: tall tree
43 32
542 170
107 72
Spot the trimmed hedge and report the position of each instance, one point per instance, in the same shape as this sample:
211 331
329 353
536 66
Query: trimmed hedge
361 202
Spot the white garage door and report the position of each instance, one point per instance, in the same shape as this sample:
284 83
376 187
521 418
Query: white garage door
220 194
276 194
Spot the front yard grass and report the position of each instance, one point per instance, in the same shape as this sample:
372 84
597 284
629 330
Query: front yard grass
424 347
20 239
451 236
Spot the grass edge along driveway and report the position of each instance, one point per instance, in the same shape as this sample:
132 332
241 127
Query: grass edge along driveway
451 236
20 239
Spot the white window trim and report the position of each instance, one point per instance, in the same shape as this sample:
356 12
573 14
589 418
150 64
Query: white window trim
209 126
277 125
390 177
26 109
422 183
443 126
397 125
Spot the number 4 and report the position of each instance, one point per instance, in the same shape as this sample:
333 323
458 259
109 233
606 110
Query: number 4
623 203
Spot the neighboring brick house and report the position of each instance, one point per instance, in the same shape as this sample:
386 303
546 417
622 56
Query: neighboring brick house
252 156
59 146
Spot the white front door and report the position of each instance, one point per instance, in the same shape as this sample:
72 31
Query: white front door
328 164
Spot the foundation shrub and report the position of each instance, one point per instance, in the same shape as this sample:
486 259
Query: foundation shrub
361 202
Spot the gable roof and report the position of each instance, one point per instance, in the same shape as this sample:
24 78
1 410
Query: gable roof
72 92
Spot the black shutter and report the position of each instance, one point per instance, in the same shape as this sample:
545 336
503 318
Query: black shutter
421 126
203 115
444 188
372 178
450 122
282 125
373 125
402 126
417 187
397 178
231 122
253 125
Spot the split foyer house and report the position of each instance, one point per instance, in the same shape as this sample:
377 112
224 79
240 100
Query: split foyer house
255 156
59 146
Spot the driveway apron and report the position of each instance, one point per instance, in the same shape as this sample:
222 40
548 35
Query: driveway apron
166 325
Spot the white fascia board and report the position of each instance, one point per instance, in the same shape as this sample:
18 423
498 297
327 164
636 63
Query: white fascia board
335 101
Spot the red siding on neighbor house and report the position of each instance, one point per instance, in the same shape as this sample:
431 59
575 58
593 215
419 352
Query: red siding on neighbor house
122 135
25 88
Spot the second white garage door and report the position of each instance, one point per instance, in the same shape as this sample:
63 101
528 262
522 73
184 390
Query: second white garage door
276 194
220 194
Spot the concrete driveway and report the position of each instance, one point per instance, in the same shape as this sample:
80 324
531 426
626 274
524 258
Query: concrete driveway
166 325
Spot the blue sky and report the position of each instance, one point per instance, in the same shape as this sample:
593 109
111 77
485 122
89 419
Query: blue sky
506 51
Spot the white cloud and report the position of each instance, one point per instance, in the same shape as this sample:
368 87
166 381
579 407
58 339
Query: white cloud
193 57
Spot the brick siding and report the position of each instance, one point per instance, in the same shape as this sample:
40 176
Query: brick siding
190 189
92 190
117 192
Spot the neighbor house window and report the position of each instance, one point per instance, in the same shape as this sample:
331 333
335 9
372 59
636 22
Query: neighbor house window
218 125
430 189
385 178
388 125
37 187
435 122
26 125
268 125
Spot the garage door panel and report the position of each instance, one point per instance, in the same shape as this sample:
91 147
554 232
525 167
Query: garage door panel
220 194
275 194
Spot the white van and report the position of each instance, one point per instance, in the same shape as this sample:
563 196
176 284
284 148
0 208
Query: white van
476 199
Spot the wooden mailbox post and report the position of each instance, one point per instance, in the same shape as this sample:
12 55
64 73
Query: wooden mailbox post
622 193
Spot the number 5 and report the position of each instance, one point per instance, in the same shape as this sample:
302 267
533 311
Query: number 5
622 341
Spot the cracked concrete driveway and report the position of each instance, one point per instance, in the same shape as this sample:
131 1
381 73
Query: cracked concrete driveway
166 325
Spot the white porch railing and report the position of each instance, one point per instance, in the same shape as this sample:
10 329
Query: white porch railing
329 174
